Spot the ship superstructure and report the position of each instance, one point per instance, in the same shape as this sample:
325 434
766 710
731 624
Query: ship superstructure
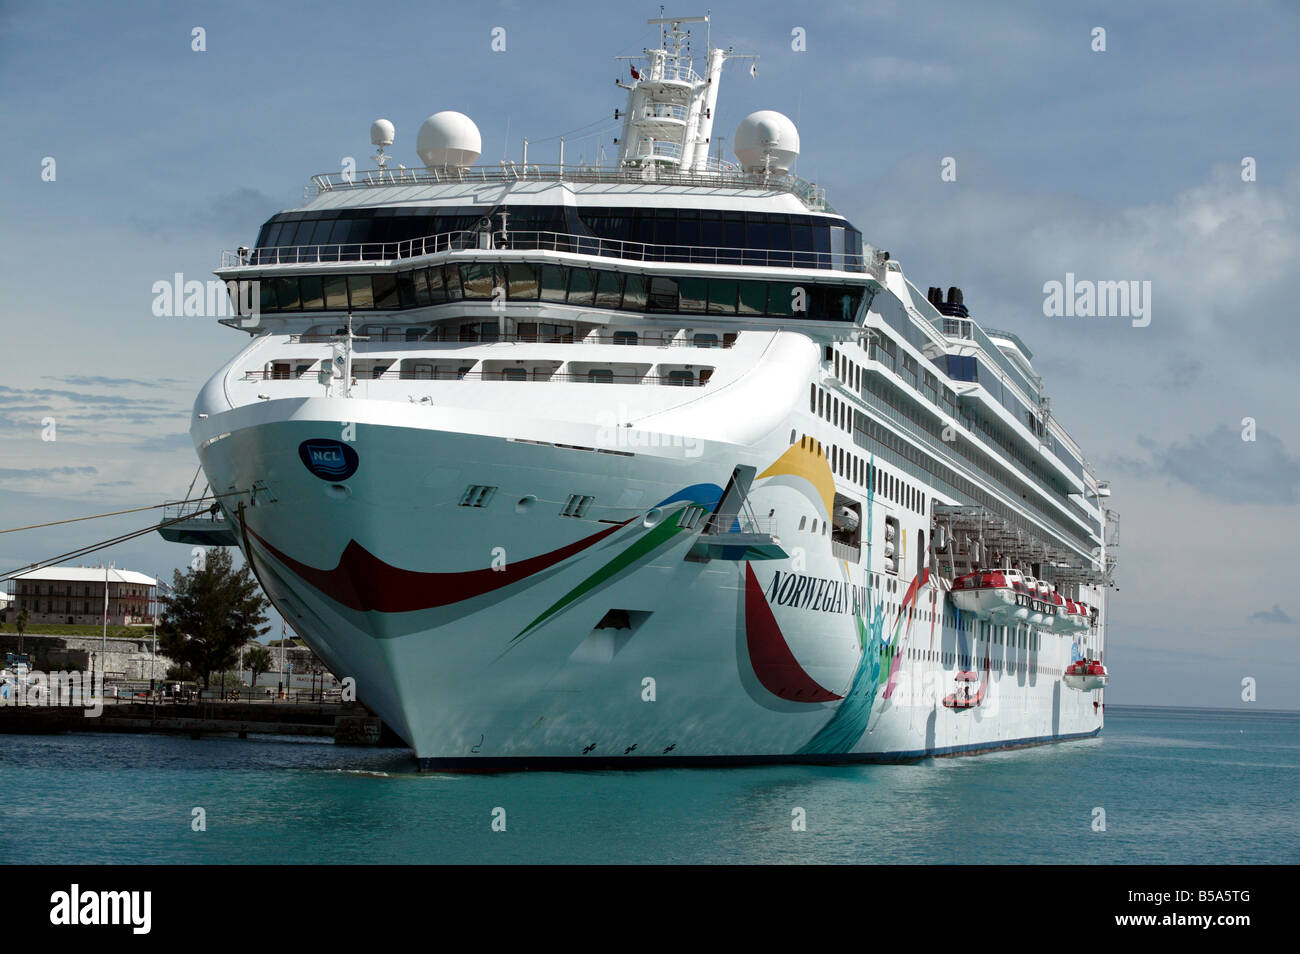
651 461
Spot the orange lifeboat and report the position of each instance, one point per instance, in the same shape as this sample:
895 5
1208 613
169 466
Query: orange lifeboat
968 693
1086 675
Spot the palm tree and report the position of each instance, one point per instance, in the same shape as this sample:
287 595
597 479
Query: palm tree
21 622
258 660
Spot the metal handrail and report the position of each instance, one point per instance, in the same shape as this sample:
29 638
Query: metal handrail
398 337
807 192
411 375
660 111
650 148
462 241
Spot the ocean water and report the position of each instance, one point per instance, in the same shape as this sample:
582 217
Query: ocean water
1177 786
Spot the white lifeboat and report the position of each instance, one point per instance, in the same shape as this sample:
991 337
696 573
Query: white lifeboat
1076 616
1018 613
846 518
1036 616
1086 675
986 594
1058 621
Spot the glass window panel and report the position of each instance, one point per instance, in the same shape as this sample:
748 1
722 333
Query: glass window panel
420 283
733 229
609 290
477 280
821 235
385 290
634 293
451 278
722 296
523 282
694 294
286 294
663 294
320 235
437 287
753 298
526 330
665 227
336 291
313 293
778 232
405 290
554 282
781 298
288 230
582 286
711 230
360 292
266 296
600 376
688 234
269 233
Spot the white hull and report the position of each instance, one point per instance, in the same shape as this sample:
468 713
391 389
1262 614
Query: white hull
466 681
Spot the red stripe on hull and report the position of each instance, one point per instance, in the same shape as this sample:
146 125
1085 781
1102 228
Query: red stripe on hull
363 582
774 664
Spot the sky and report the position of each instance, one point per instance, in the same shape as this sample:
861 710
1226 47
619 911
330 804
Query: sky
1127 163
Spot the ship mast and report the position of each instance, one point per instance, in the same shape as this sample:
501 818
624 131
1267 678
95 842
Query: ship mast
668 121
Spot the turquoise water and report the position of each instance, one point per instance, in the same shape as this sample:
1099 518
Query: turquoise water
1177 786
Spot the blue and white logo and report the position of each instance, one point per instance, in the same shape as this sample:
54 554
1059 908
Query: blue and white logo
329 460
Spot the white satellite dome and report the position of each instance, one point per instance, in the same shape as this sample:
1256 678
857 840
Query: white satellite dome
382 133
766 135
447 139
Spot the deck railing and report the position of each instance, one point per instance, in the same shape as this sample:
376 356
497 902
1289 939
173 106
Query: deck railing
718 176
452 374
383 253
398 336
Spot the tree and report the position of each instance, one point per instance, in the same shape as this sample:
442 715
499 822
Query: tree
210 613
21 623
258 660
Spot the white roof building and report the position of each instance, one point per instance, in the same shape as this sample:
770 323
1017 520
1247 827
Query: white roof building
86 574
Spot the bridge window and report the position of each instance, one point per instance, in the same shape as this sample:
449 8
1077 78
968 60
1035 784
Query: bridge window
609 289
582 286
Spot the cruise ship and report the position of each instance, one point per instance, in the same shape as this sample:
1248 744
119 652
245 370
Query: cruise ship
651 461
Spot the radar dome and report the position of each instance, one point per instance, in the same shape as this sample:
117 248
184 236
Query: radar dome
448 139
766 140
381 133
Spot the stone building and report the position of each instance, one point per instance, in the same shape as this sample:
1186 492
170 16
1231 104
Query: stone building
75 595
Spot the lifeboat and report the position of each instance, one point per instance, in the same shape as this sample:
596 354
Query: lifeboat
846 518
1020 612
1086 675
1076 617
1058 621
1035 616
967 694
987 594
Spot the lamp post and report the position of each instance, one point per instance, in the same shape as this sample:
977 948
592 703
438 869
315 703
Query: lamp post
103 638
